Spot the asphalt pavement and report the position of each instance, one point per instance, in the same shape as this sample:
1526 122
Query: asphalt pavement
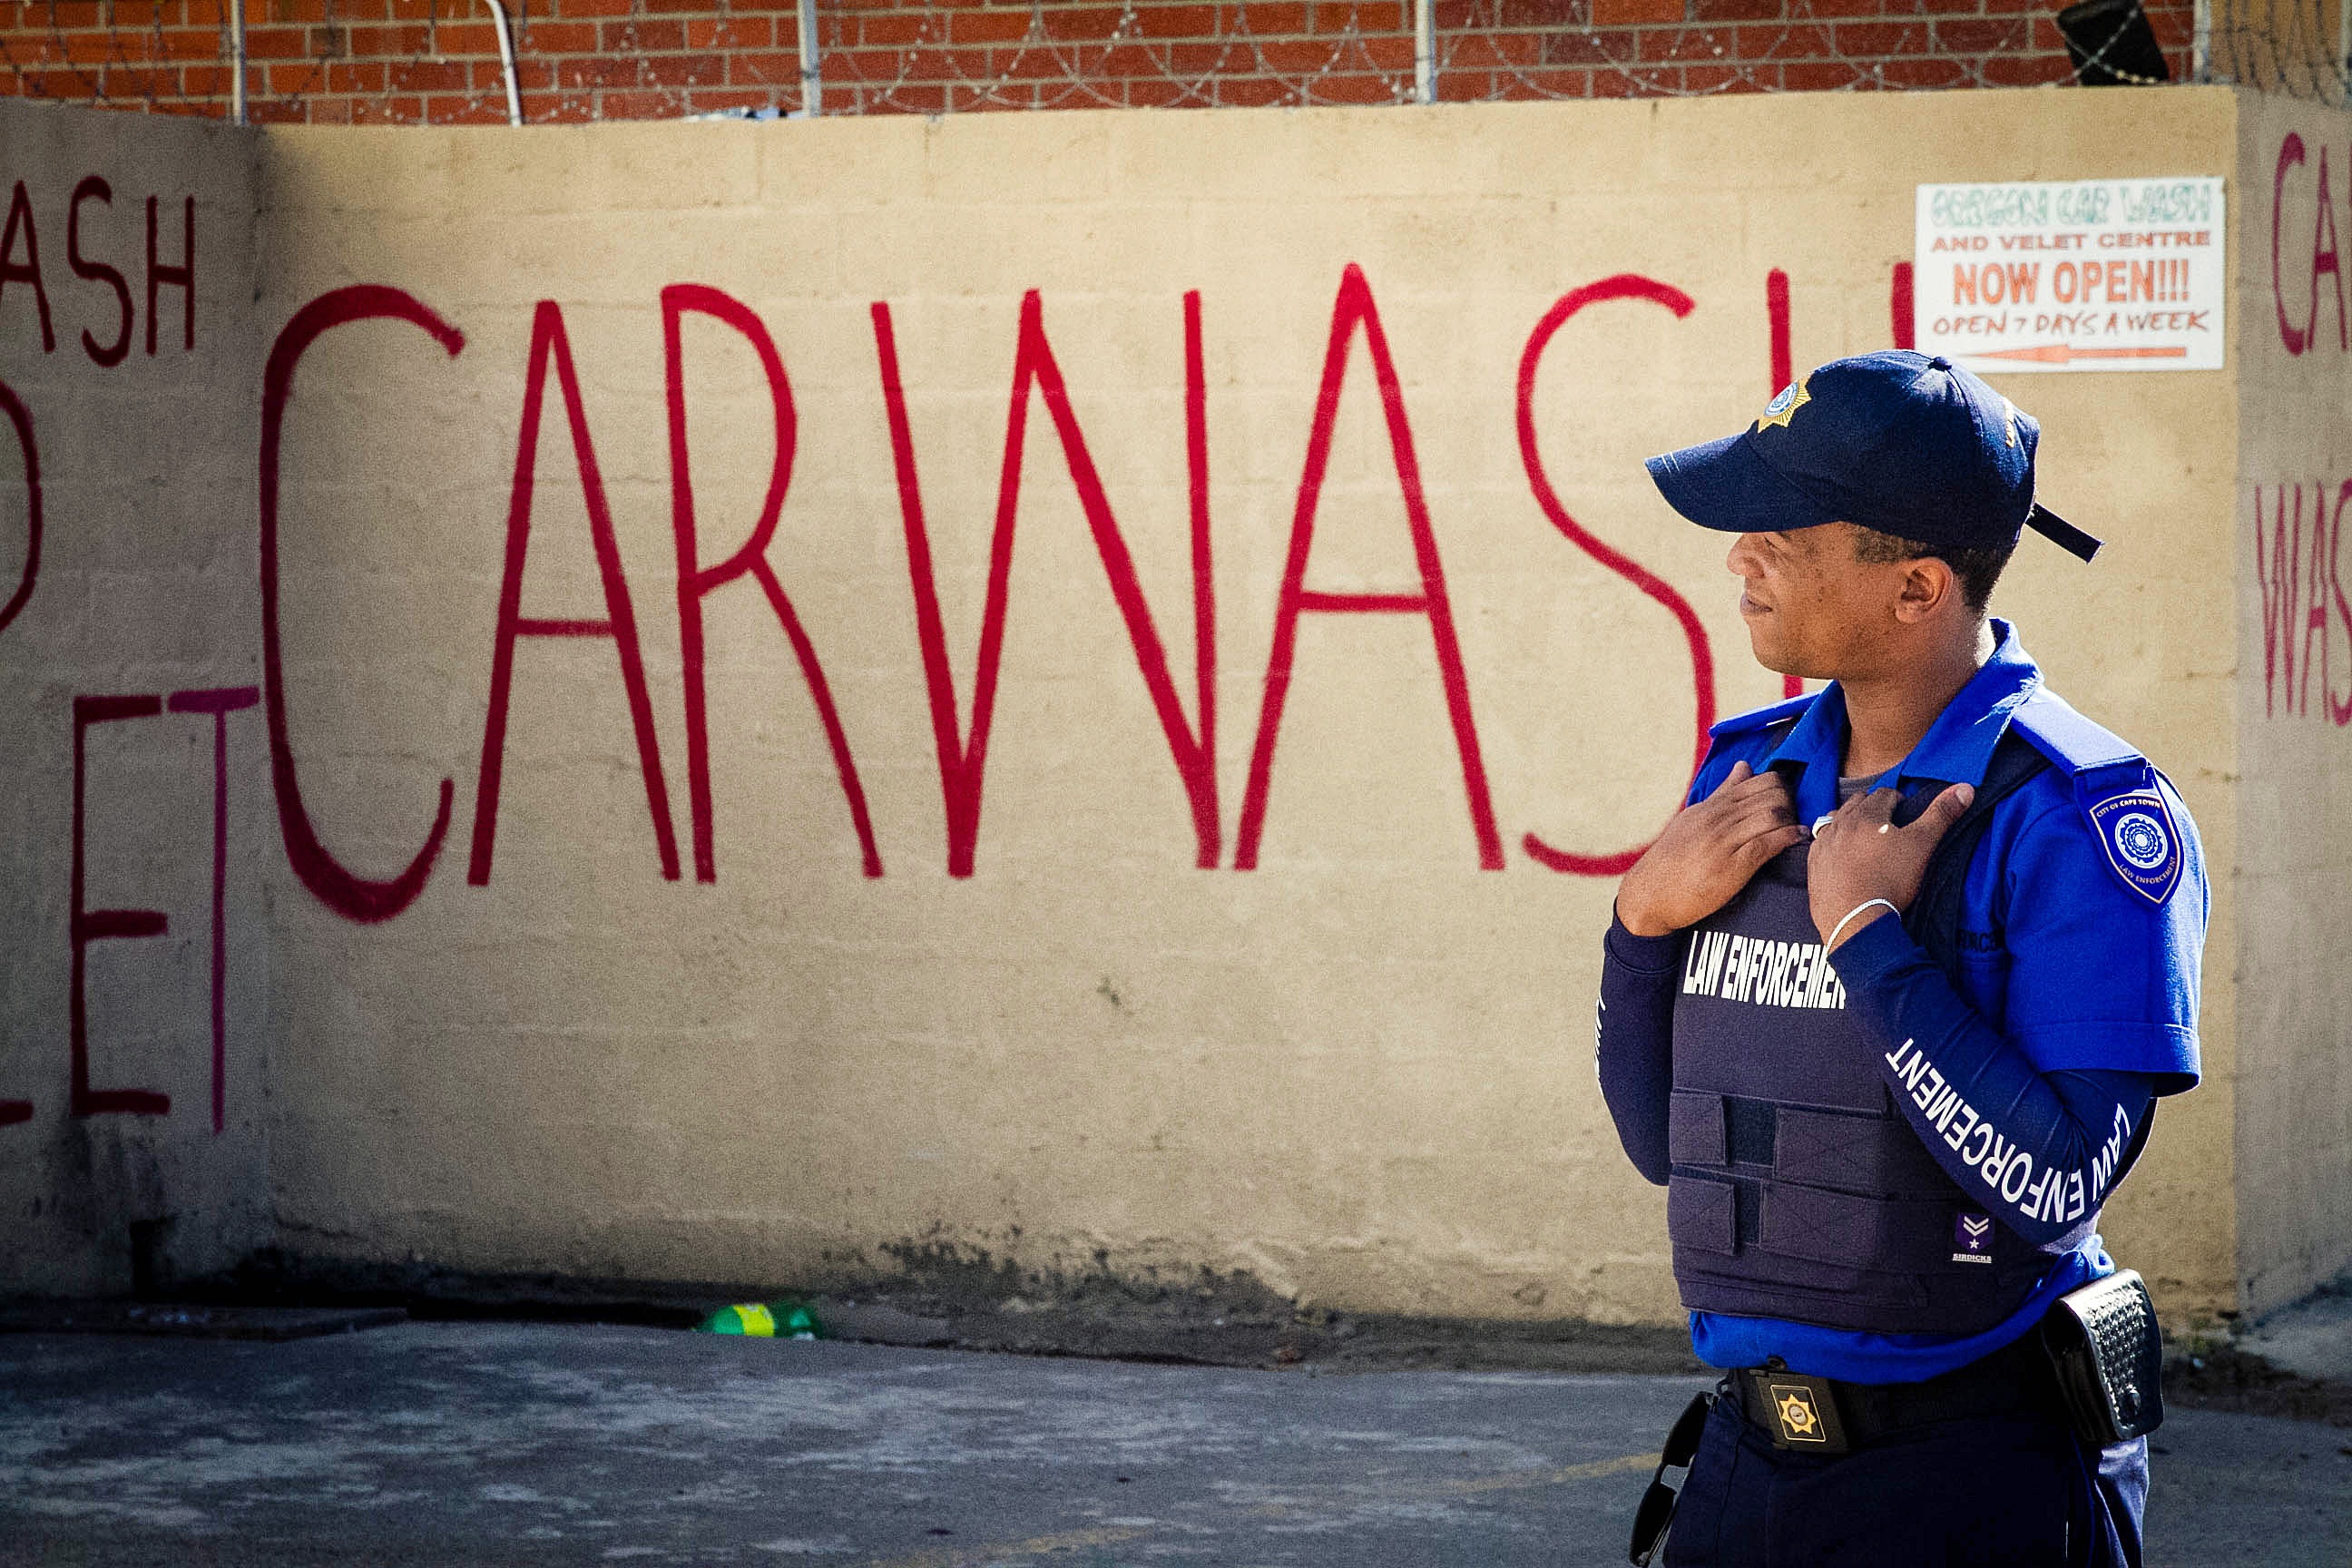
2312 1337
497 1444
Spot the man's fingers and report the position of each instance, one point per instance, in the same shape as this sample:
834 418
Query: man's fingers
1761 786
1737 821
1760 815
1764 846
1741 789
1943 811
1741 785
1850 809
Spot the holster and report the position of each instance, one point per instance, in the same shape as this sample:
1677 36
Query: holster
2104 1346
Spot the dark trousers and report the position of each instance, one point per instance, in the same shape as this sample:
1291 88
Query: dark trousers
1996 1489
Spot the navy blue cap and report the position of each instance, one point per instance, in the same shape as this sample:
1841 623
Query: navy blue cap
1892 441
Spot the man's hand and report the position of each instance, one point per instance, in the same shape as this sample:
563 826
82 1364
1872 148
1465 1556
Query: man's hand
1859 855
1708 853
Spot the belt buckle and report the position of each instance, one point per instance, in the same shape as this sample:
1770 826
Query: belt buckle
1800 1413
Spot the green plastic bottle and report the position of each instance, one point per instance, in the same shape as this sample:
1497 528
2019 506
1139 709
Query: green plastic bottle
784 1321
749 1318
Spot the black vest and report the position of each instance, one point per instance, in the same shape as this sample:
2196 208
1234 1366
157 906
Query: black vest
1798 1189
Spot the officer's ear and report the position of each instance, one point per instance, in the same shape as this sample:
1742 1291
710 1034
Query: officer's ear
1929 588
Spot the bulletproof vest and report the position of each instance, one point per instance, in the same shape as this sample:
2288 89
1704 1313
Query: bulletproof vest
1797 1190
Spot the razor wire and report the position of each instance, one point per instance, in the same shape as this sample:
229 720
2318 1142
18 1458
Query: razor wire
914 57
2297 48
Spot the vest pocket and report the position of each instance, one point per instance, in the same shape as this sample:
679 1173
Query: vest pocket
1849 1231
1694 1128
1702 1214
1868 1153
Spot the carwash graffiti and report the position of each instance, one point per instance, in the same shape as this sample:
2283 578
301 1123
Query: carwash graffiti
961 728
2308 276
2297 524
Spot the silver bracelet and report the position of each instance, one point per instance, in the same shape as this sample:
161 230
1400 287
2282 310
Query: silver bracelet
1855 910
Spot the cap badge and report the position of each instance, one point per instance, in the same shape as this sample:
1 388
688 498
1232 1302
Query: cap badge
1785 403
2008 420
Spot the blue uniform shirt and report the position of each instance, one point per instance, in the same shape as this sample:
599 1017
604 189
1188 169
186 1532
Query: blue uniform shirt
2058 954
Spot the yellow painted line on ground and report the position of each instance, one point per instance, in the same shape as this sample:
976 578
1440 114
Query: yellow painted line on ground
1621 1464
995 1552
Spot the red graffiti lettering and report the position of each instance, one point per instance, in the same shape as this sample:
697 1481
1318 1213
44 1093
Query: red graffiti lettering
20 214
220 701
2290 154
2278 570
88 925
1199 765
963 757
695 582
353 896
2314 609
2324 258
182 276
2329 599
1353 309
20 418
2338 712
1776 314
2303 598
1624 286
1784 371
93 188
549 342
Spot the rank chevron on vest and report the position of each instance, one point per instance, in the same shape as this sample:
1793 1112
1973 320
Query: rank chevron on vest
1760 970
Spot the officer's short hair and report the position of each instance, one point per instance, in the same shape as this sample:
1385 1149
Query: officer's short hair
1977 570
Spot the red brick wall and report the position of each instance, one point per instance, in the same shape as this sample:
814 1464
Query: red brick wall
362 61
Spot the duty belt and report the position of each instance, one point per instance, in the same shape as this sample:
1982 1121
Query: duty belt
1829 1416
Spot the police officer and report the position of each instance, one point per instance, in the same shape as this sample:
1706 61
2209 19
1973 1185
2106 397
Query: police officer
1888 1005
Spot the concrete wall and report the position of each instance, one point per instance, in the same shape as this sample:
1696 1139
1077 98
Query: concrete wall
1311 1002
140 587
2294 657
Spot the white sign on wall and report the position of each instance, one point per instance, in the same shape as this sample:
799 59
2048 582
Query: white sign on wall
2074 275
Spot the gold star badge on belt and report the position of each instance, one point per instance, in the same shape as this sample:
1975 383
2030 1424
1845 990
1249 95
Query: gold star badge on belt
1800 1422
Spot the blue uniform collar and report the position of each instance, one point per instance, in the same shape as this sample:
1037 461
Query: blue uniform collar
1958 746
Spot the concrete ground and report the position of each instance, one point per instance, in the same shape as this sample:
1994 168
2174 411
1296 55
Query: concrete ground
2313 1338
497 1443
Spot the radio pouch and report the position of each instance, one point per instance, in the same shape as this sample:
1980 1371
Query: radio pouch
2104 1343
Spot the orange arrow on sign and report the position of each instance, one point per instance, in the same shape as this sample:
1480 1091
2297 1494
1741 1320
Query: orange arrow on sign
2062 353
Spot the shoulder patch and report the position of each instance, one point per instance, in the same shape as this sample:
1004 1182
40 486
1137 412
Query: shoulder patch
1760 718
2142 842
